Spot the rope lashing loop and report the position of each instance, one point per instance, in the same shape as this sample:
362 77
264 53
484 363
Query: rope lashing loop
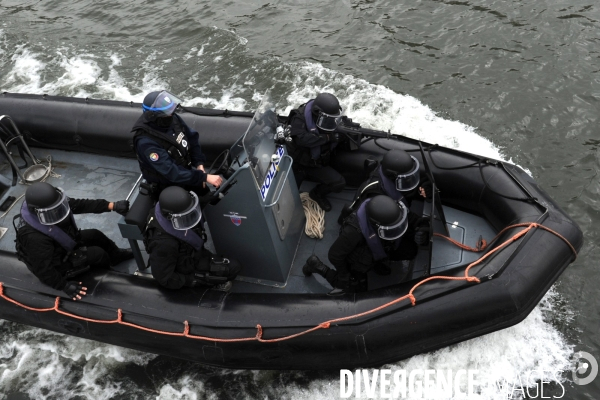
323 325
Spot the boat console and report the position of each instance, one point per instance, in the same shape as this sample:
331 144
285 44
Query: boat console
257 216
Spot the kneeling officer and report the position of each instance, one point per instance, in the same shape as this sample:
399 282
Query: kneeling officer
377 235
174 241
53 248
397 176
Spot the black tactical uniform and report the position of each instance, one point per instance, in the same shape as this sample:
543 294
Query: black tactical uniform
353 257
50 262
168 151
177 256
383 181
312 148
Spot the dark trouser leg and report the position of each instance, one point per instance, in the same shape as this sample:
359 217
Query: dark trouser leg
97 258
347 280
329 181
93 238
299 174
407 249
328 178
354 282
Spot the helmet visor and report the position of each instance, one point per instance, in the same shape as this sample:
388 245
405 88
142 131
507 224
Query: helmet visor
165 104
56 212
408 181
396 230
189 218
328 122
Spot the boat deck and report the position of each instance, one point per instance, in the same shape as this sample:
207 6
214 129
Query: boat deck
94 176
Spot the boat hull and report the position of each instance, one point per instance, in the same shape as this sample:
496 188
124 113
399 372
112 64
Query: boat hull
205 325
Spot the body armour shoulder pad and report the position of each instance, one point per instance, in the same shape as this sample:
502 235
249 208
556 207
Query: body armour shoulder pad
296 120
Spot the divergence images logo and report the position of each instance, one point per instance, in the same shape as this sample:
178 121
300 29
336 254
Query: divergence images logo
585 369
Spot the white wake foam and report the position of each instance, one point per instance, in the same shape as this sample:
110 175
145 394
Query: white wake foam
44 365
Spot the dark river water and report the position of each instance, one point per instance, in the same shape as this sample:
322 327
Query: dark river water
511 79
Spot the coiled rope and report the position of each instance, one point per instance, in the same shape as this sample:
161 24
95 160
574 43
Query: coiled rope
315 217
324 325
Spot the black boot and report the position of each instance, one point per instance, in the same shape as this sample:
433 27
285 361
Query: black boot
321 200
120 255
315 266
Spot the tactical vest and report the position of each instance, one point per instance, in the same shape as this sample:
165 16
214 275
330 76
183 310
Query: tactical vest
369 233
172 145
317 155
190 249
53 231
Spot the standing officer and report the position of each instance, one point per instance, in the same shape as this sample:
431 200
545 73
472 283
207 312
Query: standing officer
168 151
377 233
313 141
173 239
53 248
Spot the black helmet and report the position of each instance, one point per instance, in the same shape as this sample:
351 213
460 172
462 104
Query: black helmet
180 206
327 103
404 169
42 195
50 203
396 162
388 216
327 109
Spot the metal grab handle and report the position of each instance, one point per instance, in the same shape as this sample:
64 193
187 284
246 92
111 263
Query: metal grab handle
19 136
282 182
5 149
133 188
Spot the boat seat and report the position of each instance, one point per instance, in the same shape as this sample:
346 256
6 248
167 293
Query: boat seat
138 213
133 224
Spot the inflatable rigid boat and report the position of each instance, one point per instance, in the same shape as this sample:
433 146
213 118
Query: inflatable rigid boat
274 317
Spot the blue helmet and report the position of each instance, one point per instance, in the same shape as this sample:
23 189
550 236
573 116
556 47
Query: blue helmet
162 104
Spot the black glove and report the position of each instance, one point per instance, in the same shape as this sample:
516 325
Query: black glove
427 187
422 236
333 137
121 206
74 290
